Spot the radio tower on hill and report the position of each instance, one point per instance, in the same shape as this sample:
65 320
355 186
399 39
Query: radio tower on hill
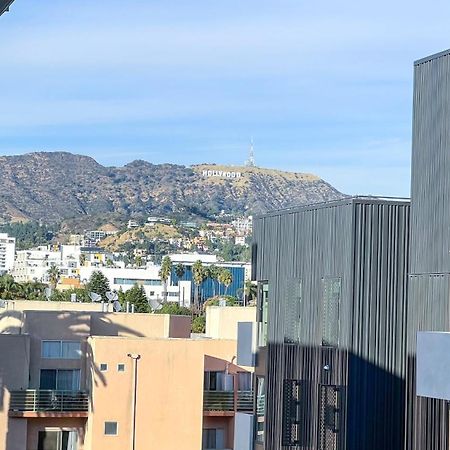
251 156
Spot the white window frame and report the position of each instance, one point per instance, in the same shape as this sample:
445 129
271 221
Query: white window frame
103 364
104 428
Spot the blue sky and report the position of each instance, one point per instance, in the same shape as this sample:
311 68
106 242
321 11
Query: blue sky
323 87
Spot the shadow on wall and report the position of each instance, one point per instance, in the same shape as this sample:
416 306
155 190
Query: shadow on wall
355 403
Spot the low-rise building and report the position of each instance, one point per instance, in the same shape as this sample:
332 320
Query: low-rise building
83 380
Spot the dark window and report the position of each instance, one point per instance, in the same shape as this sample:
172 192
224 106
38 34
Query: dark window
121 367
48 379
61 380
213 438
218 381
57 440
103 367
111 428
331 296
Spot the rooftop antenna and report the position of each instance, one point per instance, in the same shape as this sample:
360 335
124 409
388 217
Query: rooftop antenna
251 155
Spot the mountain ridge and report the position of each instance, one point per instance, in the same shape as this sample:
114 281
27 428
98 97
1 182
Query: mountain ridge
58 186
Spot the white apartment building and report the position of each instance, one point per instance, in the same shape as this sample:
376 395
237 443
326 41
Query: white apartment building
7 251
243 225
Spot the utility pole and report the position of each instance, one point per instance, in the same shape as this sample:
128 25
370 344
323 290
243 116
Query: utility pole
135 357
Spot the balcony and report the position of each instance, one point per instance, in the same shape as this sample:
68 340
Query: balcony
43 403
227 403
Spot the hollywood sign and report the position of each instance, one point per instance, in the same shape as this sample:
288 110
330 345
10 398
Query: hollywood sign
221 174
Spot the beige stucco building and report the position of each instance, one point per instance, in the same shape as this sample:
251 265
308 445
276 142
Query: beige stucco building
89 380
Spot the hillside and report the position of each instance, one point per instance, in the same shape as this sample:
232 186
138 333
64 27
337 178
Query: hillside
53 187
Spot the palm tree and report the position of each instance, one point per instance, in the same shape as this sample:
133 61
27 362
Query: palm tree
54 275
226 278
9 288
164 274
250 292
213 273
198 276
180 270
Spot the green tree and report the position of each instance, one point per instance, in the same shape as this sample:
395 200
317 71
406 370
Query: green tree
136 296
199 324
213 273
9 288
54 274
164 274
226 278
174 309
99 284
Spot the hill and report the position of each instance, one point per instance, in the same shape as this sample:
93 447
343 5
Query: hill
54 187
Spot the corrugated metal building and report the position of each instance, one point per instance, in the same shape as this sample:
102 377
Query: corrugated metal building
429 284
333 294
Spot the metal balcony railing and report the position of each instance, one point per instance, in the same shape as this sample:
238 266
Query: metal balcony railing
226 401
49 401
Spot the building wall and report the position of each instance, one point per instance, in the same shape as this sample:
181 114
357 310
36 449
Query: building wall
429 301
170 391
221 322
364 243
14 357
7 252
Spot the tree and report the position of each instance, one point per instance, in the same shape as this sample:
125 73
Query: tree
135 296
9 288
226 278
180 270
198 276
199 324
54 275
164 274
250 292
98 284
174 309
213 273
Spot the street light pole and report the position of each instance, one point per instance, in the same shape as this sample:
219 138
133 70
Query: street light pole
135 357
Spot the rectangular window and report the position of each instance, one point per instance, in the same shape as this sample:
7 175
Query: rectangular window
57 440
60 380
218 381
120 367
244 381
260 409
61 350
292 310
111 428
103 367
331 296
213 438
263 312
294 417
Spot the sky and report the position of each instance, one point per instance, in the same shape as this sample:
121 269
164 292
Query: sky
321 86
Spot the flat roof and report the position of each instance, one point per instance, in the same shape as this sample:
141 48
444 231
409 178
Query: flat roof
4 5
361 199
432 57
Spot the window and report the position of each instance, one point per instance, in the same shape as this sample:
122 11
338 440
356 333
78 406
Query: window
294 413
57 440
120 367
331 295
263 312
60 380
111 428
213 438
218 381
244 381
103 367
260 408
61 350
292 310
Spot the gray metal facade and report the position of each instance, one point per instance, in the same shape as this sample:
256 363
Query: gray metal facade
336 362
429 284
4 5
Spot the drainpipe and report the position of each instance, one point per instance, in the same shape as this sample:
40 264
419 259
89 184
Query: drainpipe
135 357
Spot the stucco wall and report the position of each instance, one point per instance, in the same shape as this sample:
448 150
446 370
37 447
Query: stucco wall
221 322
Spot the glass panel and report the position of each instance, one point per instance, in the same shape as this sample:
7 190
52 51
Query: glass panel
51 349
244 381
260 408
48 379
263 312
70 350
111 428
48 440
68 380
220 439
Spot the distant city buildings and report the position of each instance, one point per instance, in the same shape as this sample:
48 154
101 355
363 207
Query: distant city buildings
7 252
